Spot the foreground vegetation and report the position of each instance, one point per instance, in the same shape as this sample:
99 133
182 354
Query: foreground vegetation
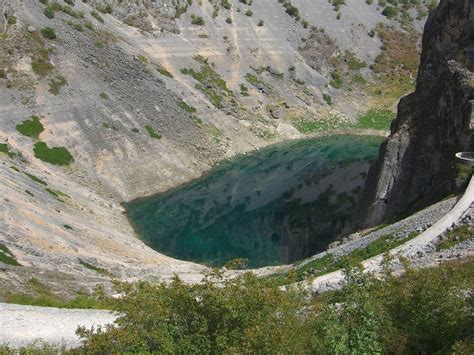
424 311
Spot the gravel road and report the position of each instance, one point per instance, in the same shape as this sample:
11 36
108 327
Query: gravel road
22 325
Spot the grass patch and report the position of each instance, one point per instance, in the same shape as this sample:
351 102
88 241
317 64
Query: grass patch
35 179
97 16
210 83
329 263
197 20
376 119
151 131
99 270
6 150
336 80
30 128
327 98
7 257
48 33
252 79
244 91
76 25
41 296
57 194
55 155
40 63
56 83
164 72
457 235
186 107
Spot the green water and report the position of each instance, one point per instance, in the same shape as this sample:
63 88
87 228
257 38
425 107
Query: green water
273 206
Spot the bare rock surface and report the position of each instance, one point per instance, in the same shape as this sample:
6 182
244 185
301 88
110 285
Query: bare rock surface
23 325
416 164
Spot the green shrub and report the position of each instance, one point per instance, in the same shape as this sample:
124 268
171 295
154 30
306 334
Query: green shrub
49 12
179 11
327 98
11 20
390 11
5 149
97 16
51 8
99 270
186 107
336 80
69 2
424 311
55 155
30 128
35 178
151 131
105 8
164 72
7 257
41 66
260 23
197 20
226 4
76 25
228 20
291 10
48 33
249 13
56 83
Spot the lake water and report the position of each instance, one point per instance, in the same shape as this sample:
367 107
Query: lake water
272 206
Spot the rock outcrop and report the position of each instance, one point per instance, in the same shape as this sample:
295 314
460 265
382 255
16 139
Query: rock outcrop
416 164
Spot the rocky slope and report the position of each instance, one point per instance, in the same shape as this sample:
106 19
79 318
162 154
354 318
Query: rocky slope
137 99
416 165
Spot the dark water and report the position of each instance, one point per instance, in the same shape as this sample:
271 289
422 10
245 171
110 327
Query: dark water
273 206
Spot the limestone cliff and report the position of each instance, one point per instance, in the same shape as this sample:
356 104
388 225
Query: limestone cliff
416 164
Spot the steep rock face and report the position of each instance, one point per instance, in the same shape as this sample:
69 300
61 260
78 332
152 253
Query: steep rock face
416 164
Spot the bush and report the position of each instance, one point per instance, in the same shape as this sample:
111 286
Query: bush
242 315
97 16
48 33
249 13
228 20
260 23
151 131
327 98
7 257
390 11
49 12
11 20
425 311
30 128
55 155
56 83
197 20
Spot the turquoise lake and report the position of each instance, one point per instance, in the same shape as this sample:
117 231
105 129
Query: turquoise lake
272 206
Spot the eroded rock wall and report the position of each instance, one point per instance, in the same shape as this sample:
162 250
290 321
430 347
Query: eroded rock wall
416 164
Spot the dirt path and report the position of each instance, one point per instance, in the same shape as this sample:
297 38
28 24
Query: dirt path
21 325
